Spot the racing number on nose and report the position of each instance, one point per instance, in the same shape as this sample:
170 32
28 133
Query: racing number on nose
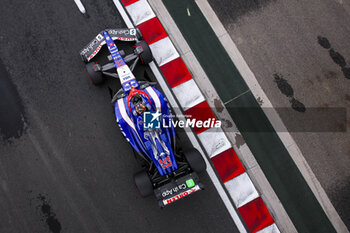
119 62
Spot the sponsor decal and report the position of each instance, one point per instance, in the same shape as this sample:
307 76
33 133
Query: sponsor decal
97 40
123 38
181 195
165 163
190 183
125 32
124 72
133 31
151 120
173 190
100 40
96 51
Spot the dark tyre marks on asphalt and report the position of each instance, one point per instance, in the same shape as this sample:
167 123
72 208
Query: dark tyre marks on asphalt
336 57
287 90
346 72
297 105
323 41
12 117
284 86
48 216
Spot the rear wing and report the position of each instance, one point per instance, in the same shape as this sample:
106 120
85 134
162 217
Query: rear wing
91 49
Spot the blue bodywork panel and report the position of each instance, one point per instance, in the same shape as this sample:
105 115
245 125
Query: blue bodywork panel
156 144
117 58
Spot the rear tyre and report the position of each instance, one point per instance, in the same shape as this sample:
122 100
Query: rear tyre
94 73
143 183
146 55
195 160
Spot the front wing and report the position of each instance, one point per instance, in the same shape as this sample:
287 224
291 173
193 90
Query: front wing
91 49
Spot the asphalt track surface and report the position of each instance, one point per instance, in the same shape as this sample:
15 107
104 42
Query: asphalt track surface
64 165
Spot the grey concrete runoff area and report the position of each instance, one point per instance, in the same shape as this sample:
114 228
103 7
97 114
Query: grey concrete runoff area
64 165
304 45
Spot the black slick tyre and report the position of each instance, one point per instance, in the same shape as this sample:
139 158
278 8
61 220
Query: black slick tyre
143 183
195 160
94 73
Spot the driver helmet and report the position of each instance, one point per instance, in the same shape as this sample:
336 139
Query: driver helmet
139 104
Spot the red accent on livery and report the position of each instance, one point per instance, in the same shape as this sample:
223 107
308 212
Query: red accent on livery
123 39
120 62
181 195
165 163
96 51
133 92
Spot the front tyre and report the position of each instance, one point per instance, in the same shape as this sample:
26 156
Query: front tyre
94 72
143 183
195 160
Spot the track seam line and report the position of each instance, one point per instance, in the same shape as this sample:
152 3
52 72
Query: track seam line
236 97
80 6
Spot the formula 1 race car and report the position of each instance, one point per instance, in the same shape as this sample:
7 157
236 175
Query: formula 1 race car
140 109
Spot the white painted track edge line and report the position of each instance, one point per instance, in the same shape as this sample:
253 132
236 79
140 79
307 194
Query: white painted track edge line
80 6
224 197
123 13
287 139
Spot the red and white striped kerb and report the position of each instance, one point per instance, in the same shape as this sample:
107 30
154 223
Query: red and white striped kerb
231 171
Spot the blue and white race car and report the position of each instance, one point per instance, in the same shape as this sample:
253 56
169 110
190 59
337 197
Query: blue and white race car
140 109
